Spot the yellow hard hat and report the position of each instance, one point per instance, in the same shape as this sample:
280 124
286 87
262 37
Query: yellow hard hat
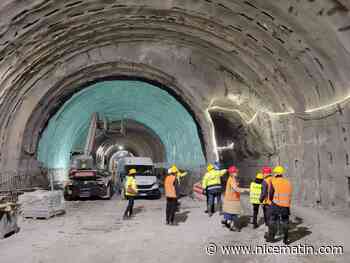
259 176
210 167
132 171
173 170
278 170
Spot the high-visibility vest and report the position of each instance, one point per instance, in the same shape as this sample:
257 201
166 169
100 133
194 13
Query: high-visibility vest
282 191
169 186
230 193
130 184
255 191
267 200
212 179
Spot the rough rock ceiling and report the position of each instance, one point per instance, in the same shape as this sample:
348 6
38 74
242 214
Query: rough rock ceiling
254 58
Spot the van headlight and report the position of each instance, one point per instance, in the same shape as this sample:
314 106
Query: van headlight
155 186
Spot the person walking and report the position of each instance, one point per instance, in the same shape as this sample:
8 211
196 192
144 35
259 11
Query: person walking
130 192
255 192
232 200
171 193
211 185
280 197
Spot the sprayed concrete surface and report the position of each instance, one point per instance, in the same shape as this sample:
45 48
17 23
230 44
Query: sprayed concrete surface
93 231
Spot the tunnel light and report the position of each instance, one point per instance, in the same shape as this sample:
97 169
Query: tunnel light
344 99
120 147
227 147
212 127
251 120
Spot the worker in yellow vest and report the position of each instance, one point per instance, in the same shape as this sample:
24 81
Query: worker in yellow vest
255 192
171 192
264 197
280 196
130 190
211 185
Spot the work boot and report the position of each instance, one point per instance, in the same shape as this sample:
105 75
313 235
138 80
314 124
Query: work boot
225 223
271 233
285 233
234 228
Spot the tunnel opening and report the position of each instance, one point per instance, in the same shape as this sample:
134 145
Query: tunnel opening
135 140
164 129
241 145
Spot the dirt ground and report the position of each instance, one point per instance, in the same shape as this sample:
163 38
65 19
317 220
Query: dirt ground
93 231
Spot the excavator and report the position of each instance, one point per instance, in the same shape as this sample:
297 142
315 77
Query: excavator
87 178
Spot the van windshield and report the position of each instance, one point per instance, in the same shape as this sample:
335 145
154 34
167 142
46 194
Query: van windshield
140 169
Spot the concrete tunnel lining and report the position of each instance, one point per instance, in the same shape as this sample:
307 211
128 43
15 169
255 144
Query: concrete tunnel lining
270 57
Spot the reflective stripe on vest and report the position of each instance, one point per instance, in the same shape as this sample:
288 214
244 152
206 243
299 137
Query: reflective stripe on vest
282 191
230 193
255 191
267 200
169 186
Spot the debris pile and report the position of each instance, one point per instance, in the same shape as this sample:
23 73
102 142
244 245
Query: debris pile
42 204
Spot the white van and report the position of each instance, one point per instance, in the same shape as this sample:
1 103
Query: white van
147 182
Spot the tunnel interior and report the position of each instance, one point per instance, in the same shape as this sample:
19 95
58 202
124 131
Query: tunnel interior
269 76
155 123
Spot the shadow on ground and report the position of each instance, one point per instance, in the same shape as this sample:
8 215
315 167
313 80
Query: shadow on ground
182 217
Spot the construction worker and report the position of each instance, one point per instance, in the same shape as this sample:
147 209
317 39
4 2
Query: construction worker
217 168
280 197
255 192
211 185
130 192
232 200
171 192
264 197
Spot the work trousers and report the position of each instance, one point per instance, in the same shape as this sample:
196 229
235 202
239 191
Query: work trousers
171 205
212 196
129 208
279 217
255 213
266 210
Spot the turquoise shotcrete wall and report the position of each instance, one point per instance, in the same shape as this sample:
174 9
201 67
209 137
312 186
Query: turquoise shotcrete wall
116 100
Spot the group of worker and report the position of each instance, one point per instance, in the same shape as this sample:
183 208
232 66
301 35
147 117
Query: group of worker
171 187
274 192
270 189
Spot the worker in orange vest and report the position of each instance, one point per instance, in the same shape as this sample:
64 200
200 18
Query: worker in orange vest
280 197
171 193
264 196
232 200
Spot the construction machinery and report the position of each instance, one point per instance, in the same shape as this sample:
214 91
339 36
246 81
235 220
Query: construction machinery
87 178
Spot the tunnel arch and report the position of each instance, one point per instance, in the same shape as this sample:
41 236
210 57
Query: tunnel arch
280 61
119 100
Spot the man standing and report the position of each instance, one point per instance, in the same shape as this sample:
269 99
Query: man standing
264 197
130 192
171 191
255 192
211 184
280 196
232 200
